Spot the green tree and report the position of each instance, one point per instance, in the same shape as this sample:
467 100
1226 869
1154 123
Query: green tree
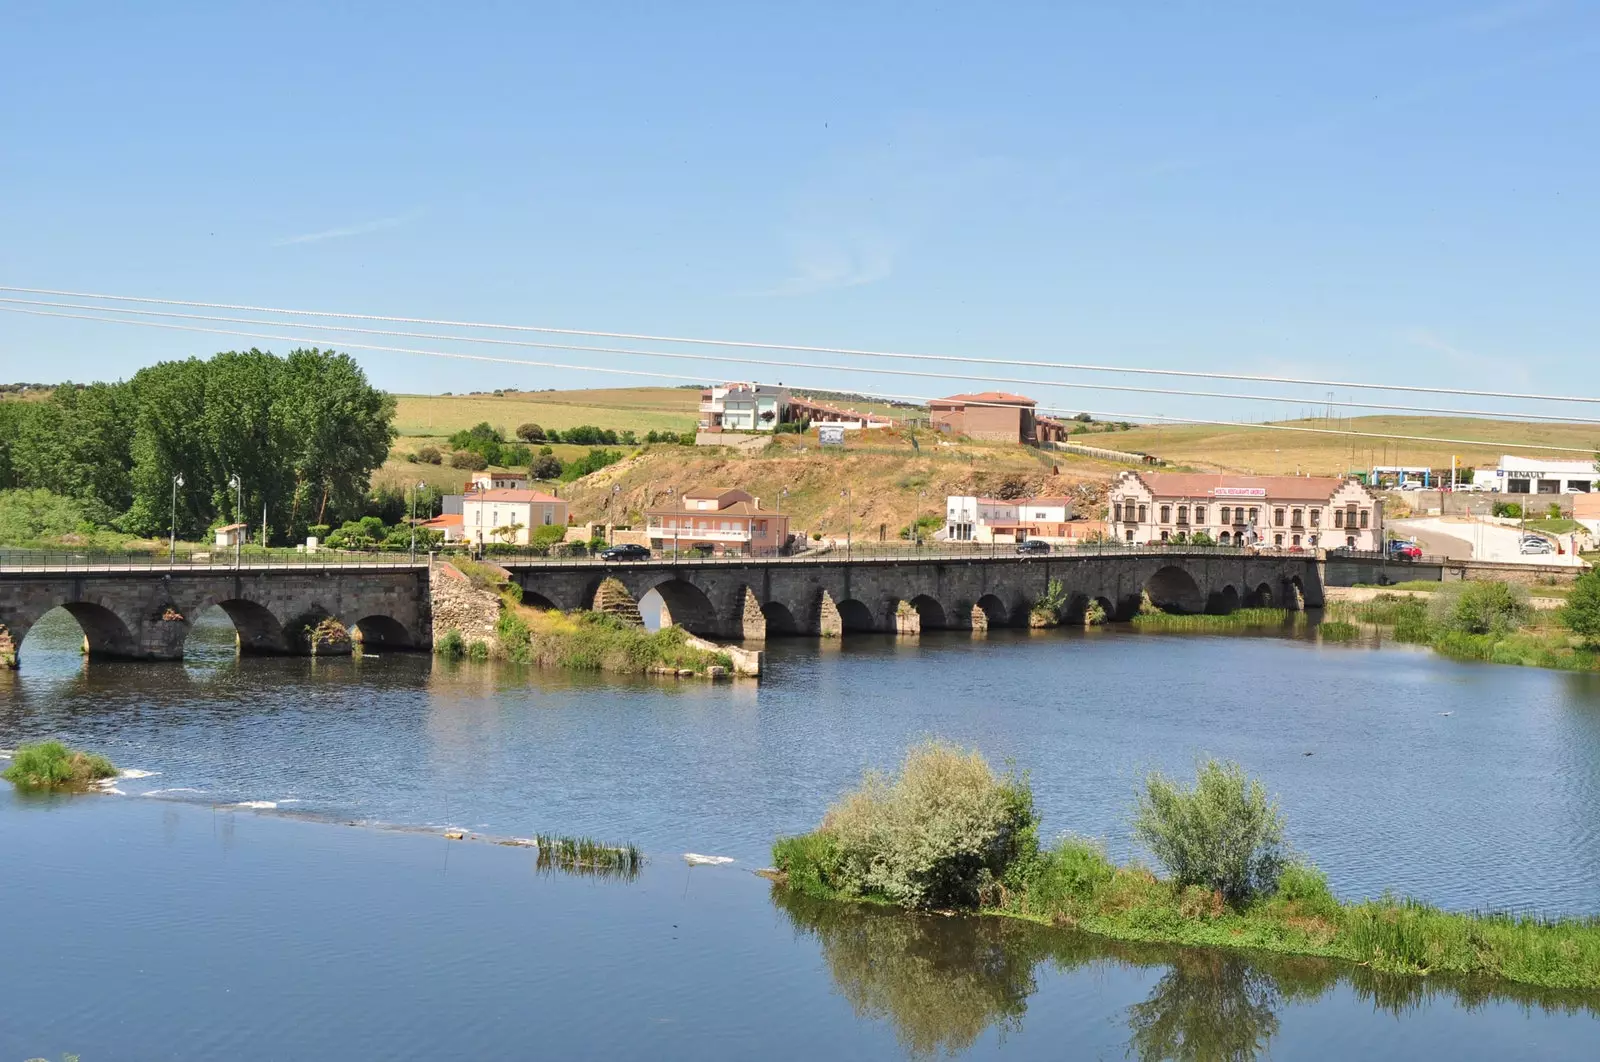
77 443
1224 834
530 433
545 466
1582 611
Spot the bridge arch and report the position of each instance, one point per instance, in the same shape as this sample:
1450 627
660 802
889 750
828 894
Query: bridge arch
1172 589
780 620
855 616
1260 597
999 615
536 600
260 632
685 605
105 633
379 631
930 614
1223 601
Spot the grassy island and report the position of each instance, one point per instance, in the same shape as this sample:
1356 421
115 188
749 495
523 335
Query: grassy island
948 833
51 765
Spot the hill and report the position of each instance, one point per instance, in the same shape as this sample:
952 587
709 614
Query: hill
1265 451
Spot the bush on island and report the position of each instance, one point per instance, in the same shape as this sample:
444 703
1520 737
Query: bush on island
51 765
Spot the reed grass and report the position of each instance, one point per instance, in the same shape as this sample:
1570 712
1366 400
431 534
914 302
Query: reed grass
1338 631
51 765
596 641
1237 620
585 855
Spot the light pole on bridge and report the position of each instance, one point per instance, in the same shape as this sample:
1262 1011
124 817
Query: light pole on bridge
172 544
238 518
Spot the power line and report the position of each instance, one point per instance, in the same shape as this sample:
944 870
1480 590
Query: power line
845 351
1106 414
680 356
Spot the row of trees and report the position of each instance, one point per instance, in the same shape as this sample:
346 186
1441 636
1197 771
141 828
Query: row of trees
302 433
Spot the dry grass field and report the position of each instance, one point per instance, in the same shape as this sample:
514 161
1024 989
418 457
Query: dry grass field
1266 451
643 409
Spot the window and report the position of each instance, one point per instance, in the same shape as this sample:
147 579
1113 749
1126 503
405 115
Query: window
1163 536
1116 511
1363 518
1166 517
1277 540
1277 521
1183 514
1227 514
1296 541
1517 486
1144 512
1223 538
1338 518
1298 518
1253 512
1199 514
1129 534
1040 516
1316 517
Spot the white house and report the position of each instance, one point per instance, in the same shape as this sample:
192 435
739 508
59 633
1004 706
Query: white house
498 481
512 513
973 519
743 407
1537 475
233 535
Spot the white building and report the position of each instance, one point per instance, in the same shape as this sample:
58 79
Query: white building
743 407
509 516
498 481
973 519
1536 475
1276 512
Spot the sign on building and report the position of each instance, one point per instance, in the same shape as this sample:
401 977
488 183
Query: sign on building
1238 492
830 434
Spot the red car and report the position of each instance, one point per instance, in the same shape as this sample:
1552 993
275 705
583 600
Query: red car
1409 551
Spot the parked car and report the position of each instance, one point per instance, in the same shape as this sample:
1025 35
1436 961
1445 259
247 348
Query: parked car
1412 484
1534 544
1033 545
624 552
1406 551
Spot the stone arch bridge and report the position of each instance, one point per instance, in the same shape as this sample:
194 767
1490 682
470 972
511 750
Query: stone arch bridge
146 613
804 596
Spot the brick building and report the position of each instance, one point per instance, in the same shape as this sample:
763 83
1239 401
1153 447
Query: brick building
993 416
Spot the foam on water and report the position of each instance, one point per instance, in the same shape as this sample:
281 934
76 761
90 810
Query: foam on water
161 792
694 859
259 805
134 772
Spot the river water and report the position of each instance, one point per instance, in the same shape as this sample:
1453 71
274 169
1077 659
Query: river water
187 918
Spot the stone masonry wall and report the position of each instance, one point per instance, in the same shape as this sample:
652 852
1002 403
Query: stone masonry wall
460 606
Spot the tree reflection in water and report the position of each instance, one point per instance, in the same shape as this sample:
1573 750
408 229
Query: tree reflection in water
943 981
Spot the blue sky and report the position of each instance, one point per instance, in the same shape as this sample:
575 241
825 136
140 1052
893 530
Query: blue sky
1362 190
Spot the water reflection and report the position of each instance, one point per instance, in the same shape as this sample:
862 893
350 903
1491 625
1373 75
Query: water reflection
943 981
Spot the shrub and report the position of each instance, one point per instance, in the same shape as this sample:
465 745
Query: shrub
531 433
478 650
1307 887
1479 608
1071 872
51 765
1511 509
545 466
1047 610
546 535
1338 631
942 834
470 460
1581 615
452 646
1223 834
593 461
429 455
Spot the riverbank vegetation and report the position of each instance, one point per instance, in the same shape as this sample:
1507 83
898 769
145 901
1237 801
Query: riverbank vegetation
949 833
51 765
587 856
1238 620
1490 622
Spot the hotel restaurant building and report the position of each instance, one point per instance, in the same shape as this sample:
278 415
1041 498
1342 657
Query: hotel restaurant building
1275 512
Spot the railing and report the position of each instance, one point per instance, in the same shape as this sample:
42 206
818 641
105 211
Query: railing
854 553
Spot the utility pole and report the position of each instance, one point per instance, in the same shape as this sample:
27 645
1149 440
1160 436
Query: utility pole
850 522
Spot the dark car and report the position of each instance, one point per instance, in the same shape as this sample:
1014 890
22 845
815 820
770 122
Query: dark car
1033 545
626 551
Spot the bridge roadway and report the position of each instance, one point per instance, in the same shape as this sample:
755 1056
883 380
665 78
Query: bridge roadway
145 611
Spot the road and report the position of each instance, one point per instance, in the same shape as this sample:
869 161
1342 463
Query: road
1471 540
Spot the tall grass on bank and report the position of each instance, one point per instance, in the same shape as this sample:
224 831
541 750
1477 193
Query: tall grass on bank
51 765
595 641
588 856
949 833
1238 620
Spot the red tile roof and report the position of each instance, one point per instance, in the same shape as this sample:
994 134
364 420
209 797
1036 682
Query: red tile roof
508 494
1204 484
991 397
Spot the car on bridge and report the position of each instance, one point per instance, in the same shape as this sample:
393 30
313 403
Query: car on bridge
1402 550
625 552
1029 546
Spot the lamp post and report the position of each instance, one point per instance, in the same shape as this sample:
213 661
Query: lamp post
238 517
414 490
172 545
850 522
671 494
611 516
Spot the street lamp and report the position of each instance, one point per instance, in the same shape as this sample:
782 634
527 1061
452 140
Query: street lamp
850 522
671 494
238 516
414 490
611 516
172 546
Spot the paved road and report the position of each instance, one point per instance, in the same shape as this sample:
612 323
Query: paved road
1471 540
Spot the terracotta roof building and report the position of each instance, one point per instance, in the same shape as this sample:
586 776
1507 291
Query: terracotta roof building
723 520
509 516
992 416
1280 512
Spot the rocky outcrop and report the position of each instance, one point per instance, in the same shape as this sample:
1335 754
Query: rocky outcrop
745 661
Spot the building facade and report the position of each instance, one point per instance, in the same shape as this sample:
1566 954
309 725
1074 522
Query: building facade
802 408
973 519
497 481
742 406
722 521
508 516
1274 512
992 416
1537 475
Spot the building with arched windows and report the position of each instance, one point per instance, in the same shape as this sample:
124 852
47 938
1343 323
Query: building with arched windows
1274 512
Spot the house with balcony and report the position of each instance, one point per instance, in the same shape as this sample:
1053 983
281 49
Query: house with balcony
742 406
1274 512
722 520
